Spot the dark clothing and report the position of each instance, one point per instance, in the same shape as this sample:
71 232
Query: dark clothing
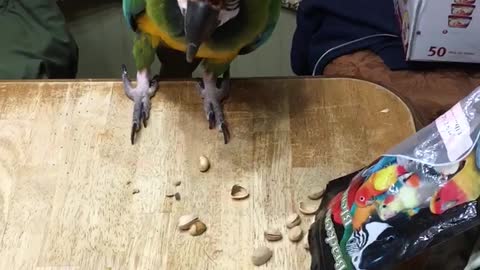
322 25
34 41
174 65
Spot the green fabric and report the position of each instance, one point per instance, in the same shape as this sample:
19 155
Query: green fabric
34 41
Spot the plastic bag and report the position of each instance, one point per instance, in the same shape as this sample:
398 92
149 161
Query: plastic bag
418 194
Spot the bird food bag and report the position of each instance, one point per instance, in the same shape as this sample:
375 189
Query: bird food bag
421 192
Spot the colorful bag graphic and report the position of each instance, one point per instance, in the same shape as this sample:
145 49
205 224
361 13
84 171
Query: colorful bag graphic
419 193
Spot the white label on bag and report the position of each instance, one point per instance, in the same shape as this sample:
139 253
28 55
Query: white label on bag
455 132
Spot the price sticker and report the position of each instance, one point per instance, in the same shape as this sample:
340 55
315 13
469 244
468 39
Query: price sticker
454 129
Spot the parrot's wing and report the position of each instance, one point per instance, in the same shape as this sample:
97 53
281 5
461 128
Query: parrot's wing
273 15
131 8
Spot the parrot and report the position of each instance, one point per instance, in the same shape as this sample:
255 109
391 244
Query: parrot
336 203
378 183
380 163
360 215
409 195
438 175
461 188
210 32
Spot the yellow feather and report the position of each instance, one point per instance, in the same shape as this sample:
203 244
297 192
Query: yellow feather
146 25
468 178
385 178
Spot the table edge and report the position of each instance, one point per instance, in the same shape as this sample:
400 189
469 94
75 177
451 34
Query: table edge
416 120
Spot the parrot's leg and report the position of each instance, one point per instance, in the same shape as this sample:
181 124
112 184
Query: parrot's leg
140 95
213 98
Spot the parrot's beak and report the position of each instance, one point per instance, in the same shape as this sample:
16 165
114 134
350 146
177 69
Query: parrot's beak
201 20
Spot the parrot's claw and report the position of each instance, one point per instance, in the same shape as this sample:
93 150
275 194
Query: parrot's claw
135 128
211 118
141 113
226 132
212 103
140 95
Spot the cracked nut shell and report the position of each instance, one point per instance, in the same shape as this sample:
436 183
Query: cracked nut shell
295 234
293 220
307 208
273 234
204 164
186 221
261 255
238 192
197 228
316 195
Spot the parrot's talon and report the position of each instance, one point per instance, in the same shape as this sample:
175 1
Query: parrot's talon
213 98
154 81
140 115
211 119
144 120
200 88
226 132
132 135
141 96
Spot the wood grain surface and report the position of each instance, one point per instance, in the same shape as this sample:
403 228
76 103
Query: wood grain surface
68 170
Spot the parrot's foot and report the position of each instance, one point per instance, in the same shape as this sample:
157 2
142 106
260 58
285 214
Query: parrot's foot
140 95
212 101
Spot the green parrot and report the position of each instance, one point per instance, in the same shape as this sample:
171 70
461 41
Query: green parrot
211 32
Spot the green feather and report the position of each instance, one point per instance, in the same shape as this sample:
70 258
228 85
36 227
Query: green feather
245 25
273 15
167 15
131 9
143 52
249 27
215 67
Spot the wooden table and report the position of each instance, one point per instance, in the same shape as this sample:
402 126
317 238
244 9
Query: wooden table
68 170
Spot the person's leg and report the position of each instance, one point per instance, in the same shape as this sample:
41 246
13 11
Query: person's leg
35 42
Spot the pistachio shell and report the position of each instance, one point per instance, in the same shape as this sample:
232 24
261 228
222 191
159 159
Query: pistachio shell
261 255
170 193
204 164
316 195
238 192
306 245
293 220
307 208
273 234
197 228
186 221
295 234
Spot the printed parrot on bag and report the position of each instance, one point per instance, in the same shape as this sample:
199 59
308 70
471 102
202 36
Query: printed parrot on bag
430 173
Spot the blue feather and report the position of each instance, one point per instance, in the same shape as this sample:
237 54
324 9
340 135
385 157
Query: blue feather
131 9
259 41
274 13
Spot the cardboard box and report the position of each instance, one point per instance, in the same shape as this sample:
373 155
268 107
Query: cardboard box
440 30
